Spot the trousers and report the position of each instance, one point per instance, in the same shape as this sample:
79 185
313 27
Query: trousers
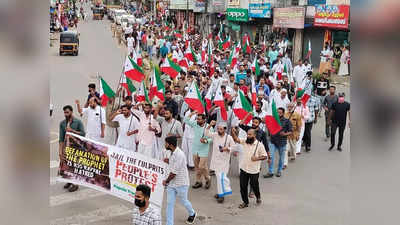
200 165
182 193
307 134
333 133
244 183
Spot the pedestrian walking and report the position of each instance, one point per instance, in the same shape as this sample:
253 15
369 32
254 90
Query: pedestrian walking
293 138
313 105
200 149
177 182
327 104
278 144
338 119
250 165
220 160
73 125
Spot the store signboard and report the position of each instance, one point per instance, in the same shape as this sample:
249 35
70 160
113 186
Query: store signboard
237 14
181 4
292 17
259 9
337 2
316 2
199 6
216 6
233 2
333 16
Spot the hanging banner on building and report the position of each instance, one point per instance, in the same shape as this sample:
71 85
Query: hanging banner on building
334 16
316 2
337 2
233 2
237 14
292 17
216 6
199 6
110 169
259 9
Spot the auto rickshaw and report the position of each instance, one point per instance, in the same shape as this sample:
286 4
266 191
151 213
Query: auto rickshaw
69 42
98 13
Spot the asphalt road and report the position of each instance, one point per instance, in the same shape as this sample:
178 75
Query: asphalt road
312 191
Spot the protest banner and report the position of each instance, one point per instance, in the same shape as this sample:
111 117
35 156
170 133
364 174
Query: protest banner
110 169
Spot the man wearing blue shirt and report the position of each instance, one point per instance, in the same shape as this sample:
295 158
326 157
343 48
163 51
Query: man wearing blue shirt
241 74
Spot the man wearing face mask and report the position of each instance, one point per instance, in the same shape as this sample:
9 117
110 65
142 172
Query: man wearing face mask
177 182
220 159
144 213
337 119
250 165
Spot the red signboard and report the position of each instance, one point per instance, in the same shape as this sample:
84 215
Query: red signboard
334 16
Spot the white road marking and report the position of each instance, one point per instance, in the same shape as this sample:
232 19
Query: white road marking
93 216
74 196
54 164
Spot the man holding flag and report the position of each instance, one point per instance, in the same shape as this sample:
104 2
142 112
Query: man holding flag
279 134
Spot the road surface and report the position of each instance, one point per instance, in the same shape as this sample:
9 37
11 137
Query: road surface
312 191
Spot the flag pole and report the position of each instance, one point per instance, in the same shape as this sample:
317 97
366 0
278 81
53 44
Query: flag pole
98 78
229 125
119 84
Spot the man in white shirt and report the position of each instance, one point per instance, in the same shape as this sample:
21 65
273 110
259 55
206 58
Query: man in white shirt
148 129
298 73
283 100
276 92
277 69
177 182
130 42
128 128
187 140
96 119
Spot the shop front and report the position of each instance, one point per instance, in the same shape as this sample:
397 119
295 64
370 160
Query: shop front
330 25
291 20
260 20
181 11
237 22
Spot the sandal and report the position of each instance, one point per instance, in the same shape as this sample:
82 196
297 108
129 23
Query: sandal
243 205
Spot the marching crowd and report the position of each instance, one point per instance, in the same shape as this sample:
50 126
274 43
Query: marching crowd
254 104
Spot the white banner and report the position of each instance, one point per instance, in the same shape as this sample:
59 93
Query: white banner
110 169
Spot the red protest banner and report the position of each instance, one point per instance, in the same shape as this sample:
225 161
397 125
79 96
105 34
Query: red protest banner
333 16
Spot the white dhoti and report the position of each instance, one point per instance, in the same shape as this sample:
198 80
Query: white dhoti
223 184
158 150
343 69
146 150
187 149
298 144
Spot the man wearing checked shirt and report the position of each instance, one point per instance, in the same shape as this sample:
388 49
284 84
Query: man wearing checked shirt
200 149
